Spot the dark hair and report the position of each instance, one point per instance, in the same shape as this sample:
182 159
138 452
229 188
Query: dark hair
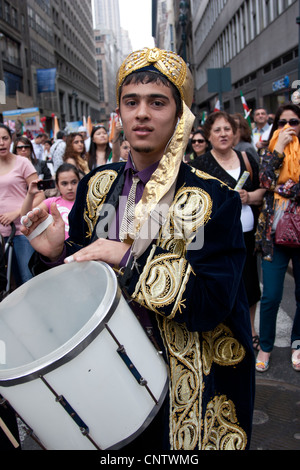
3 126
148 76
286 107
60 135
66 167
200 131
245 130
212 118
260 107
93 148
69 152
26 141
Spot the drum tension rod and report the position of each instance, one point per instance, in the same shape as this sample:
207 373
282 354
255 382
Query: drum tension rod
122 353
71 412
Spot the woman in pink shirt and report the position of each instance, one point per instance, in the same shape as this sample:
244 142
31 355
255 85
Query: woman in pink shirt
16 173
67 179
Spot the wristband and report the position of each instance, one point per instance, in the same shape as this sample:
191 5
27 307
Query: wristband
41 227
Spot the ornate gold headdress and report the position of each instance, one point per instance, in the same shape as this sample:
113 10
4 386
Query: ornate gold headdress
169 64
173 67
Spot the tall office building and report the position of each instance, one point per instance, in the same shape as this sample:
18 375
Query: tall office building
106 17
257 40
40 36
15 56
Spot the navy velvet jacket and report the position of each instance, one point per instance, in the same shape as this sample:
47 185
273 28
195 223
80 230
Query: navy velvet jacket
195 298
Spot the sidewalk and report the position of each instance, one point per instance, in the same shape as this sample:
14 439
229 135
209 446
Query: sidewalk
276 423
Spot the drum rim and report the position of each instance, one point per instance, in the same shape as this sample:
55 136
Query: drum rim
19 376
147 421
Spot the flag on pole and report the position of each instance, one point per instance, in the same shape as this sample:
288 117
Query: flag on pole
247 111
89 125
204 117
56 126
112 126
217 106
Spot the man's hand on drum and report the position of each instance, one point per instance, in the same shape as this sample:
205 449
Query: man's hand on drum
50 242
109 251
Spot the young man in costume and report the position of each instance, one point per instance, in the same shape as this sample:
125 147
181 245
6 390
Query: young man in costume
189 293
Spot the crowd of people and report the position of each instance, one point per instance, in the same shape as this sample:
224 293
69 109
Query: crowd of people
232 180
270 150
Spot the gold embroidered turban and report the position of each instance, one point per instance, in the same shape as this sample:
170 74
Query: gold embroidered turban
169 64
162 181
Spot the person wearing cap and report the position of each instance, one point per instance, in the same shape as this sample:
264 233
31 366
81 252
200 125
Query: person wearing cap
87 139
180 260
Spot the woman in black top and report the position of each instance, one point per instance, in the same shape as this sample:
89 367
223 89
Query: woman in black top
228 165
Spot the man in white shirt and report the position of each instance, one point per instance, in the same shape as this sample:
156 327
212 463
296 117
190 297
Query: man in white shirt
58 149
261 130
87 140
38 146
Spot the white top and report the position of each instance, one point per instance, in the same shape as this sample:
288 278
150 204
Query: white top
247 218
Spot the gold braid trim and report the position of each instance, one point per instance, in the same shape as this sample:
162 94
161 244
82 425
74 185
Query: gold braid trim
186 384
221 429
98 188
163 282
221 347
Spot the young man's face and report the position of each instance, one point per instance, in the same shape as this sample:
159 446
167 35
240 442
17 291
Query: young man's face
148 113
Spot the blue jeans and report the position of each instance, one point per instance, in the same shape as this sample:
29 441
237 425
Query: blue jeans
22 252
273 283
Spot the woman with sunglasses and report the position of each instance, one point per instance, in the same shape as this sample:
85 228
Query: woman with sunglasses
228 165
279 175
24 148
199 146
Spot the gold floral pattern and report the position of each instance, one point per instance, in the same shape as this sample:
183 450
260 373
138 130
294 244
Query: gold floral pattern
190 210
163 282
185 384
98 188
221 429
221 347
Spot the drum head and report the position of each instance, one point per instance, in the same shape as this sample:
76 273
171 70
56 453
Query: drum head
54 316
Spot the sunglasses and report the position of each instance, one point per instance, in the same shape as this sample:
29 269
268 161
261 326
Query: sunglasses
198 141
23 147
291 122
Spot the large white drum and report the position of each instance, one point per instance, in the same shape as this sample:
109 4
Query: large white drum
76 365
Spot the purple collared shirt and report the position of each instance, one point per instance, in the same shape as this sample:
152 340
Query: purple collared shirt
129 171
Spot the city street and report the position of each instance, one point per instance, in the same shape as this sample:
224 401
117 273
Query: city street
276 424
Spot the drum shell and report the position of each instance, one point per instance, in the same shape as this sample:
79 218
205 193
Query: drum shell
97 384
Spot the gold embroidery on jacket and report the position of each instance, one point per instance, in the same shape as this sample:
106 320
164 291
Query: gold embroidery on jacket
206 176
165 276
221 347
162 282
221 429
185 384
191 209
98 188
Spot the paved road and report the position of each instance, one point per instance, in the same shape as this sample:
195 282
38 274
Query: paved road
276 424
